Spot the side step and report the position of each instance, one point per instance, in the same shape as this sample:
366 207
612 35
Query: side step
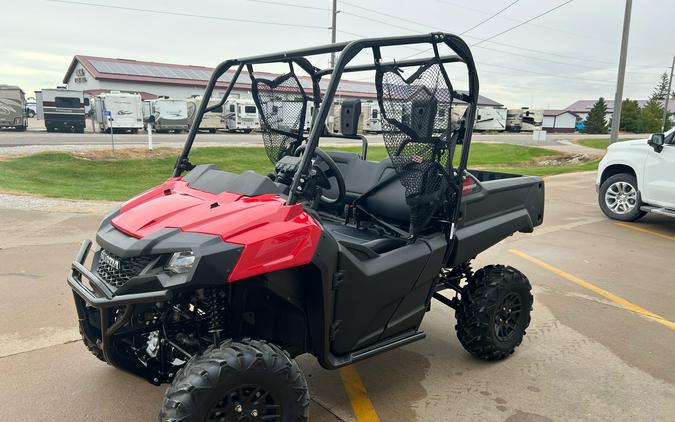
375 349
658 210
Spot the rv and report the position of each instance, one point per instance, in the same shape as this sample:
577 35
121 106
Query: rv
372 121
212 121
13 108
514 120
531 120
488 118
61 109
169 114
125 110
242 115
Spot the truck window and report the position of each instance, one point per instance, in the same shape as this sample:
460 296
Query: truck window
86 102
217 110
232 110
67 102
249 109
374 114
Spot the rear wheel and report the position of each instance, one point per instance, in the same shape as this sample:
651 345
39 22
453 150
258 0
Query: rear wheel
249 380
619 198
494 312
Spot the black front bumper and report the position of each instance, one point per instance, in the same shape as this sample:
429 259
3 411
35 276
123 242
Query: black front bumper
101 295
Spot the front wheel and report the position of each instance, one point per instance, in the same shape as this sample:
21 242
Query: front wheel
249 380
494 312
619 198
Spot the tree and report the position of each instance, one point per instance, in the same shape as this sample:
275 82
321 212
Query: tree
631 116
652 113
661 90
595 121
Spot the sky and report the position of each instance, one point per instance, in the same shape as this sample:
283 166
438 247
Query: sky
568 54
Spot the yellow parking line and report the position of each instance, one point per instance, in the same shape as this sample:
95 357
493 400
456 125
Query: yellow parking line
361 404
640 229
602 292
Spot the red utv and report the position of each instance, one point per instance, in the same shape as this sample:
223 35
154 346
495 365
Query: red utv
213 282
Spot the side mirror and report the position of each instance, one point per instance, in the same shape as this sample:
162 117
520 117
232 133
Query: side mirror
656 141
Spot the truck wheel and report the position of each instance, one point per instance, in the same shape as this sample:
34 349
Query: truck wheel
619 198
249 380
494 312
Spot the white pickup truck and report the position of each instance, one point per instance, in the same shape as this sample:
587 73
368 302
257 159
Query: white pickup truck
637 177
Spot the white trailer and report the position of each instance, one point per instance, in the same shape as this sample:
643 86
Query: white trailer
13 108
488 118
212 120
170 115
242 115
371 116
62 109
126 111
531 119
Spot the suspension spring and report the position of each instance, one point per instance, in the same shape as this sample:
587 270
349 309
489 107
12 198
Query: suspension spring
216 306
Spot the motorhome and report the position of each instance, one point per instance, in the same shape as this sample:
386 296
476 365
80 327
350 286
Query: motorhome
212 121
531 119
125 110
170 115
241 115
13 109
490 119
62 109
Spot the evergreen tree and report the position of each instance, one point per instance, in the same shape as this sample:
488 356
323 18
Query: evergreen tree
630 116
595 121
661 90
652 113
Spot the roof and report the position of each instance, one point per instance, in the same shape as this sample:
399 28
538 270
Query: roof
105 68
144 95
554 113
4 86
584 106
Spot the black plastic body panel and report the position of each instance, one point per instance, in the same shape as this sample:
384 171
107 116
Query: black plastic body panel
503 205
209 178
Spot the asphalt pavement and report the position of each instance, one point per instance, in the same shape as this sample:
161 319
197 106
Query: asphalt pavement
600 345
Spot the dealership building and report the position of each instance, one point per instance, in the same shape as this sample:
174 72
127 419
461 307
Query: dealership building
95 75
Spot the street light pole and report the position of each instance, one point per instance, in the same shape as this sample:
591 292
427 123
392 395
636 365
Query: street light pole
618 96
665 106
333 29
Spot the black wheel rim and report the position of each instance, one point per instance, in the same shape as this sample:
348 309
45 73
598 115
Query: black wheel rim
507 317
246 403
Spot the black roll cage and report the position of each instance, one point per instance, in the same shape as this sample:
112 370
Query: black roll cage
347 50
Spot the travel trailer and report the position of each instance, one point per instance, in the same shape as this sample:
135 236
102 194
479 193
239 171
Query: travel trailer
372 120
62 109
241 115
490 119
126 111
13 109
170 115
212 120
532 120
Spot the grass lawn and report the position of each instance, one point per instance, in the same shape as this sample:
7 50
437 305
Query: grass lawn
90 177
594 143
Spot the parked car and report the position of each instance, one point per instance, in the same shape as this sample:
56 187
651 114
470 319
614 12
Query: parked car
637 177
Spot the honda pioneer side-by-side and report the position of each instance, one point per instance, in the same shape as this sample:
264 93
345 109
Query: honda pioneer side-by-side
214 282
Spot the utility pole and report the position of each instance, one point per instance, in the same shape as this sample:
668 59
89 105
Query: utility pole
665 106
618 96
333 29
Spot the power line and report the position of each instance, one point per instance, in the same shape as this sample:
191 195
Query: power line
300 6
490 17
524 22
189 15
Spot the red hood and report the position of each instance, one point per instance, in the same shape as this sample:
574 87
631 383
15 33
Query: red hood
176 205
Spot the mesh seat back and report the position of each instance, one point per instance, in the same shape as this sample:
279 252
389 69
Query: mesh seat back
282 106
412 122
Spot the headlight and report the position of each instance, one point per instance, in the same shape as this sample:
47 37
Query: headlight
181 262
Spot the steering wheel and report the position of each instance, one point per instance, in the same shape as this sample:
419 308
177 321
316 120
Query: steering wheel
327 170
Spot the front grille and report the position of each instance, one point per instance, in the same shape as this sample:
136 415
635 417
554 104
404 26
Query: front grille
128 267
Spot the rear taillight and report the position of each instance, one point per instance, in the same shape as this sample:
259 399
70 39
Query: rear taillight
469 186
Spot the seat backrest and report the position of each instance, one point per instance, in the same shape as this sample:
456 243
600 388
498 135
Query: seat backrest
379 182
